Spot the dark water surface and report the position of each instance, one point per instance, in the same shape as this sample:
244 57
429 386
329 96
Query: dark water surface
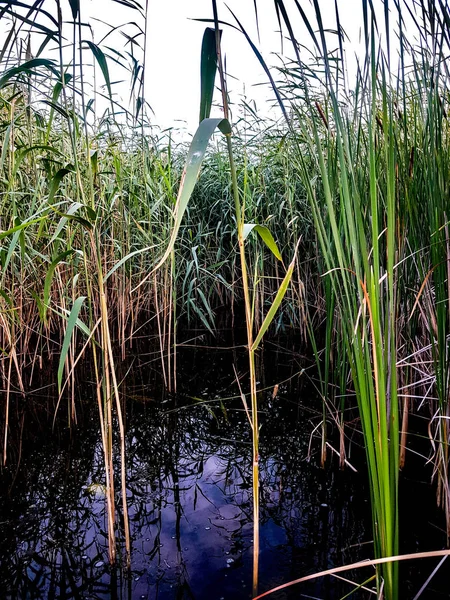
189 493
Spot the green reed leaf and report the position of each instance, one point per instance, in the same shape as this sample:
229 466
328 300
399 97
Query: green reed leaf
102 63
275 304
208 69
49 278
72 322
189 177
265 235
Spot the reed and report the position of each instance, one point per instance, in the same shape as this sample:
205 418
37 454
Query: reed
366 224
110 228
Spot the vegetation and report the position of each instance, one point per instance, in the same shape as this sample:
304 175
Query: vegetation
102 232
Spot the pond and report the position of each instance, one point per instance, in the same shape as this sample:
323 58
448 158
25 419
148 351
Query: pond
189 491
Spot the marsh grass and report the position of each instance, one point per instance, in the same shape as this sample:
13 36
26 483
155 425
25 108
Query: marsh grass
95 248
370 223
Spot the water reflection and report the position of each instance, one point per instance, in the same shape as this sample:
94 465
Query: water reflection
189 494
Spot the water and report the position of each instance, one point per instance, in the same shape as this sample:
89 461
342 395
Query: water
189 494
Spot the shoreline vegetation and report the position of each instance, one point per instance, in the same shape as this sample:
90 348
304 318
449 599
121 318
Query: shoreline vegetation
332 223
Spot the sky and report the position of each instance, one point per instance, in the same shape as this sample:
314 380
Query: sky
174 38
174 45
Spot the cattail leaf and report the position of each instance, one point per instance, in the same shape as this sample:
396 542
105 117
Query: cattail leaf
265 235
72 322
208 69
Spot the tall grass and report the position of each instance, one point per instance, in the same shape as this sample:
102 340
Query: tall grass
102 238
370 225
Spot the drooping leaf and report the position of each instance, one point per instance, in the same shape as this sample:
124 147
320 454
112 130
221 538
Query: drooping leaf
13 243
21 226
48 38
208 69
32 8
265 235
28 68
101 60
71 324
125 258
7 42
263 64
57 178
53 103
23 152
56 107
139 104
191 170
130 4
276 303
39 304
49 278
75 7
21 18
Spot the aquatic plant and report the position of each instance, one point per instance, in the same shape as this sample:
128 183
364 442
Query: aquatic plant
103 237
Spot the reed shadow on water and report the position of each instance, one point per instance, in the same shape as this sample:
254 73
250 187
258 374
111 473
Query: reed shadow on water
188 488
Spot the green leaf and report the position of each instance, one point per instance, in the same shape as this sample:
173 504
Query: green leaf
275 304
130 4
6 298
27 68
92 214
208 69
139 104
39 304
49 279
125 258
265 235
191 170
75 7
57 108
54 184
101 59
71 323
264 66
73 208
23 152
23 225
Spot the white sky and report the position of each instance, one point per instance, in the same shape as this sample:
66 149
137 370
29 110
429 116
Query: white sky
174 44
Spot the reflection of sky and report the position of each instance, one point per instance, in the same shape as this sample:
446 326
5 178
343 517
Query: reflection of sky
189 494
211 535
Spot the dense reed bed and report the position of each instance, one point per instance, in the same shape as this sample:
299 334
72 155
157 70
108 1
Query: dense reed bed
355 175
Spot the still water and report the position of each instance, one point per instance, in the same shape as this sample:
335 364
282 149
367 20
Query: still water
189 492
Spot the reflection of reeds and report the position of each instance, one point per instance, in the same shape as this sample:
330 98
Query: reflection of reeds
178 463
